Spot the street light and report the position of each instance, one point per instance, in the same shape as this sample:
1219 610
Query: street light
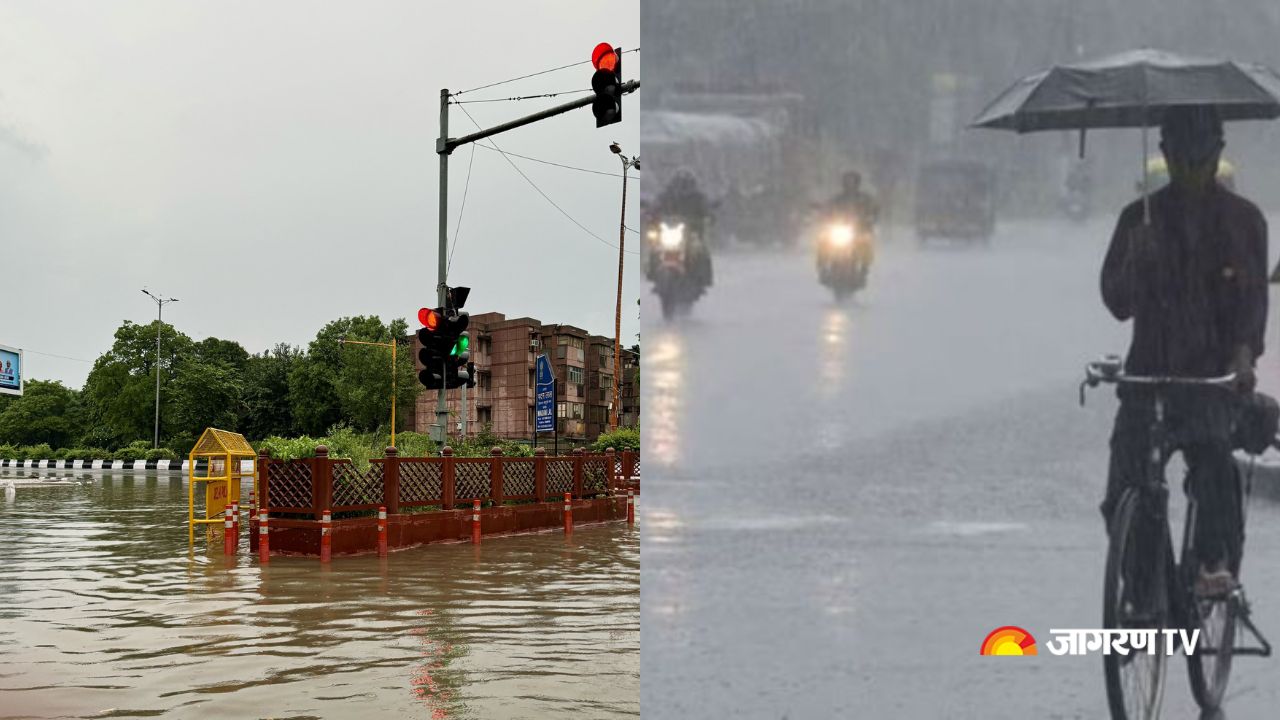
627 164
160 303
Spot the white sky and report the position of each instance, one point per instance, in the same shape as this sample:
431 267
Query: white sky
272 165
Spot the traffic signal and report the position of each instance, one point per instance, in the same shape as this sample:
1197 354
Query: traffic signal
459 357
435 348
607 84
446 345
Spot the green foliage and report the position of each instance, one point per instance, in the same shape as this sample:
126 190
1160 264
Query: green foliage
412 444
484 441
282 448
120 390
8 451
40 451
620 439
136 450
160 454
267 410
81 453
47 412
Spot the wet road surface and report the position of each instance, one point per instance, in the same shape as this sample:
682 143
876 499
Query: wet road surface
843 500
104 614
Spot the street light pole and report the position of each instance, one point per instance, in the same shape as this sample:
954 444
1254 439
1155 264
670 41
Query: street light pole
159 326
627 164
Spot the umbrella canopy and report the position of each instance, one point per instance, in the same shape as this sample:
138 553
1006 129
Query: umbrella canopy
1132 89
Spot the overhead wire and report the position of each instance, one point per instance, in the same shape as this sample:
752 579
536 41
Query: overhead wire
458 228
546 197
536 74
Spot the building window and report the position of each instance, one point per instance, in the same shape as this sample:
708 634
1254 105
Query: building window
579 350
575 375
606 381
533 379
570 410
531 422
484 416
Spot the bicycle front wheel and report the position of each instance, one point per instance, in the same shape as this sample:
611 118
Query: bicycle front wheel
1135 595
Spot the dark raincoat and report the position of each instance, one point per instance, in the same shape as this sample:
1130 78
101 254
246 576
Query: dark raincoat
1198 296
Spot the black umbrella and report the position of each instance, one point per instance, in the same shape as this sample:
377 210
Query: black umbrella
1132 89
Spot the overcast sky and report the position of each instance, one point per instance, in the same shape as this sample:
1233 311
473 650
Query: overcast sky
272 165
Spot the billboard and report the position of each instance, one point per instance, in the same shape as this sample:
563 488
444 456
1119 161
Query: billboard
10 370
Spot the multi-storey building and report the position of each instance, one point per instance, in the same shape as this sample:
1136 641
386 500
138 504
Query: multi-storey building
504 352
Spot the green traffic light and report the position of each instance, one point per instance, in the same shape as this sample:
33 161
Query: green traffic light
461 346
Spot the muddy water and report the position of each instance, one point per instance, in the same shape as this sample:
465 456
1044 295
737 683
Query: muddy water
103 613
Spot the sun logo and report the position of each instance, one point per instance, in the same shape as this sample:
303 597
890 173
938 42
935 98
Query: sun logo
1008 640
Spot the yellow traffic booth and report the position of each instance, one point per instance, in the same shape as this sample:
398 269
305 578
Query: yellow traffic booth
223 452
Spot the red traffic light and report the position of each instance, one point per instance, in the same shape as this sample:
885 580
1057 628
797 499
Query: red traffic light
428 318
604 57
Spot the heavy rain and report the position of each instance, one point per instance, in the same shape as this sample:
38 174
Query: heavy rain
856 475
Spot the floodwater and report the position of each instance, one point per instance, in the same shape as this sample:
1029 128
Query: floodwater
103 613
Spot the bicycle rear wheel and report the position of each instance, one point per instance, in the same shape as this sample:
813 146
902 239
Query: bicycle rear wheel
1134 596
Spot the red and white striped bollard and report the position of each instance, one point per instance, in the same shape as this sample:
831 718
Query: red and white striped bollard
631 507
228 538
264 538
568 513
475 522
382 531
326 537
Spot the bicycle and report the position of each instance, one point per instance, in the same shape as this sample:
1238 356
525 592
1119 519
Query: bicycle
1140 544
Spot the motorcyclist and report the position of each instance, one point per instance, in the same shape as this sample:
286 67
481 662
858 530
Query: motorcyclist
684 199
856 205
853 201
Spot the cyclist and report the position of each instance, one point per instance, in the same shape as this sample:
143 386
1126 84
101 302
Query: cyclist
1194 281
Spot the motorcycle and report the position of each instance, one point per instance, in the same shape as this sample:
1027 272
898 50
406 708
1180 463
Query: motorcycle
845 253
679 275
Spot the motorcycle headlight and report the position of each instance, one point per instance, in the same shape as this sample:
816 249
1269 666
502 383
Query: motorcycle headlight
671 237
841 235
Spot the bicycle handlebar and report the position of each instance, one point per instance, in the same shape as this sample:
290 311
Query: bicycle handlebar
1111 370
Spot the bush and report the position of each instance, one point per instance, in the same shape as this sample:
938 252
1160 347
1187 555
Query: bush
182 444
136 450
10 452
289 448
160 454
38 452
88 454
412 444
59 454
620 439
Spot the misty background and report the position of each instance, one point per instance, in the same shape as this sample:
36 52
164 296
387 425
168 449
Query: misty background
867 74
273 166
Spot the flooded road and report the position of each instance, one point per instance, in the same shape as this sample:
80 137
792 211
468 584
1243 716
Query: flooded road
846 498
104 614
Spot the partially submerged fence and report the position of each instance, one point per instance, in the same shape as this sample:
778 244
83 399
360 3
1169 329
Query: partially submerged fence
308 487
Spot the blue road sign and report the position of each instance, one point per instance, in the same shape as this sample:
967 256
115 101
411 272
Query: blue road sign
545 406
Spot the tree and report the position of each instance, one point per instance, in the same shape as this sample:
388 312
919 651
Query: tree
267 409
120 390
47 412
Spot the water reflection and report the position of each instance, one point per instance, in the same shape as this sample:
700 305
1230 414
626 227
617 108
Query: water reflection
834 354
833 351
106 612
662 373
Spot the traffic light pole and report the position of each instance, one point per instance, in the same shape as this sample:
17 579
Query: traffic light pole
446 145
439 429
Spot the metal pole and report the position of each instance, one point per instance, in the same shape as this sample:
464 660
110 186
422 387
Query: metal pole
442 150
393 390
617 314
555 403
464 411
159 325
